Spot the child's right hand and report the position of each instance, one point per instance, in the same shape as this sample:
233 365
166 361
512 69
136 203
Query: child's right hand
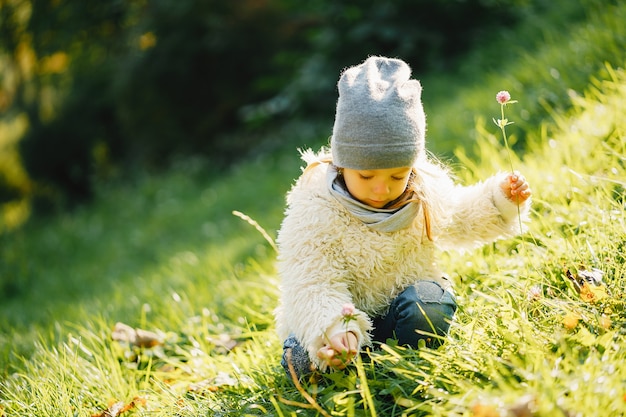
340 350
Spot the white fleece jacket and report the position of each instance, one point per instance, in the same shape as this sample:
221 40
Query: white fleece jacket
327 257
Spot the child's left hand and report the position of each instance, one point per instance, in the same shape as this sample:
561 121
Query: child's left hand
516 188
340 350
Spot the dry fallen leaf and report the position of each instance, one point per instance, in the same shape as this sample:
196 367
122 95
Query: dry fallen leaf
525 407
214 384
593 276
571 320
484 410
137 337
591 293
224 343
588 284
116 408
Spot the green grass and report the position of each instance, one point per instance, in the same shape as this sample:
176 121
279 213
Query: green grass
164 253
508 349
547 58
137 245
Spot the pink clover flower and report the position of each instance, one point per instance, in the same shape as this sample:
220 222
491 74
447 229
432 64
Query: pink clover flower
503 97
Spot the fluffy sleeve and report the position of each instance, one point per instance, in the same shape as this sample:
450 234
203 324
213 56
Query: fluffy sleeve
314 285
481 214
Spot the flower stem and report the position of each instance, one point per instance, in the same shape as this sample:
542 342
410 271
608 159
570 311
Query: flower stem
506 142
503 124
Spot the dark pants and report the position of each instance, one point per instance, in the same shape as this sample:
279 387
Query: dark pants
421 312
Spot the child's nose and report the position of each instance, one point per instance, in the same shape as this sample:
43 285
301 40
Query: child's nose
381 188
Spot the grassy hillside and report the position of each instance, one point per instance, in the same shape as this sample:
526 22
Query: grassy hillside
166 254
545 61
525 340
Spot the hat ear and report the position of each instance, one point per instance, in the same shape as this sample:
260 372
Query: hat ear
412 91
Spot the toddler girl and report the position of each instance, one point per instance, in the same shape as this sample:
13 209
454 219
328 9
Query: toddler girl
364 222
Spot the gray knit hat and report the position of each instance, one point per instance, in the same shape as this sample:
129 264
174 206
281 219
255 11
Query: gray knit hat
380 121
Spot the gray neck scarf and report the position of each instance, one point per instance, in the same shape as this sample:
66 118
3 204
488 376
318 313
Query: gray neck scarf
382 220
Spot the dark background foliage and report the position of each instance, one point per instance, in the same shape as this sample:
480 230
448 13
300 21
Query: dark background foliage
148 81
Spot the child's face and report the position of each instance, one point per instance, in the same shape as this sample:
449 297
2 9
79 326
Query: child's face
376 187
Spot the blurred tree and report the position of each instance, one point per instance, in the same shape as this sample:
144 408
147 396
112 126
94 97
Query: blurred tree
139 81
208 58
430 35
68 99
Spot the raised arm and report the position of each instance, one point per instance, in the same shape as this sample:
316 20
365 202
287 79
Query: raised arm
486 211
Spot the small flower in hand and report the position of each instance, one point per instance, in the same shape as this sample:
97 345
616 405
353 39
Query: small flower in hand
341 347
340 350
347 311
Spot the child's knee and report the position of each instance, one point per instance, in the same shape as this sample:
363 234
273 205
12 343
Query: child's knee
428 306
